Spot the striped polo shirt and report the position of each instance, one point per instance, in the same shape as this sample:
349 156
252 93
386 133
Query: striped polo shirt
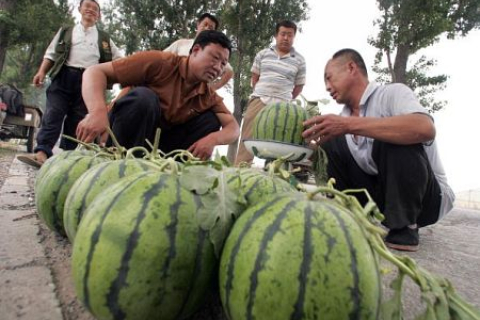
278 75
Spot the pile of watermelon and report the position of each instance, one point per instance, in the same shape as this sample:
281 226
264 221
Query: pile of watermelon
153 237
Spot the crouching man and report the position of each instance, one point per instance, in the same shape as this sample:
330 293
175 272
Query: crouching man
382 141
168 92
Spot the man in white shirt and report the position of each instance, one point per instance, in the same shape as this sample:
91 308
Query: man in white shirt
182 47
382 141
71 51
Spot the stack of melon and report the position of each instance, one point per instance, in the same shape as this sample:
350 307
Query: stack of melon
150 238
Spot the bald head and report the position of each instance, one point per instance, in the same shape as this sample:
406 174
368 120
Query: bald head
349 55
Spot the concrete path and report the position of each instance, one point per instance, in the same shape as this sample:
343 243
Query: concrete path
27 289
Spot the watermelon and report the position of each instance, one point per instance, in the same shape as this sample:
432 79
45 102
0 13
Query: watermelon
254 185
281 122
139 252
50 163
53 187
92 183
290 257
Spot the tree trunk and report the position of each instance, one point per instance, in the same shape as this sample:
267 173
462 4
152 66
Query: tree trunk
237 97
400 66
5 6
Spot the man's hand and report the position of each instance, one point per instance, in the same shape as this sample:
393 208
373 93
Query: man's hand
203 148
93 126
324 127
38 79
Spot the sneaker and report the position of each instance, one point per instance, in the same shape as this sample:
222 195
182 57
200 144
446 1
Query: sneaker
404 239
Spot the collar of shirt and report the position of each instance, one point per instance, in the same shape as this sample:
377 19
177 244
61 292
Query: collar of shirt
290 54
183 71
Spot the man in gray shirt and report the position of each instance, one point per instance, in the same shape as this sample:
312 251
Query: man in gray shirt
278 74
382 141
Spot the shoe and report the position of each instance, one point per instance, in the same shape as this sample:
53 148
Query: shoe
404 239
31 159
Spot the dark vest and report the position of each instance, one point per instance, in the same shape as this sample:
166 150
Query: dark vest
64 44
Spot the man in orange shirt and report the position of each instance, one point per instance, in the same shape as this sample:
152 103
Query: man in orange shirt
170 92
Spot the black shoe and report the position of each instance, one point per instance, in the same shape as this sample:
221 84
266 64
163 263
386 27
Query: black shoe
405 239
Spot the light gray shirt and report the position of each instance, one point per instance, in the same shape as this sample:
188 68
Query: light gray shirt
387 101
278 75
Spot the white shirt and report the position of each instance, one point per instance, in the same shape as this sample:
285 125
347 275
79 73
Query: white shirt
387 101
84 51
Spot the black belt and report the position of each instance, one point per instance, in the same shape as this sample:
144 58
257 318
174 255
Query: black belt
75 69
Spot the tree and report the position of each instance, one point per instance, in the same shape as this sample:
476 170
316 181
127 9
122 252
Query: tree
27 26
152 24
251 26
406 26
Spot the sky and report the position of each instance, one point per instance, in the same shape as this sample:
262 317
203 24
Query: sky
334 25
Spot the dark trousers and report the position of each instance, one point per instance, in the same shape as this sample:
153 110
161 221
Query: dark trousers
65 107
136 116
405 188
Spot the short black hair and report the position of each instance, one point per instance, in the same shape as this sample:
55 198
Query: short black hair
206 37
98 4
286 24
208 16
353 55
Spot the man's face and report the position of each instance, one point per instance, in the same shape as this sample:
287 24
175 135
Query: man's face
337 79
207 64
205 24
284 39
90 11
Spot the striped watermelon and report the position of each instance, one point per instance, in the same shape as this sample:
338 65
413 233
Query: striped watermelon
53 187
92 183
293 258
255 185
139 252
50 163
281 121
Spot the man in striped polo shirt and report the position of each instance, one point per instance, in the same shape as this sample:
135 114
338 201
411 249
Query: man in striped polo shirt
278 74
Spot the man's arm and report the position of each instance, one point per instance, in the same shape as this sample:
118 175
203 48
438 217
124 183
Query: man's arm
297 90
94 84
39 77
226 76
402 129
203 148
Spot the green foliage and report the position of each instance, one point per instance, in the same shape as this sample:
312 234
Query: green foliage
406 26
151 24
30 26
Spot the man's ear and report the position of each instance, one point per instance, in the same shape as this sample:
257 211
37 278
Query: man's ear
196 48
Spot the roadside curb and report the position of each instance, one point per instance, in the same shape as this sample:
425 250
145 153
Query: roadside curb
28 290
